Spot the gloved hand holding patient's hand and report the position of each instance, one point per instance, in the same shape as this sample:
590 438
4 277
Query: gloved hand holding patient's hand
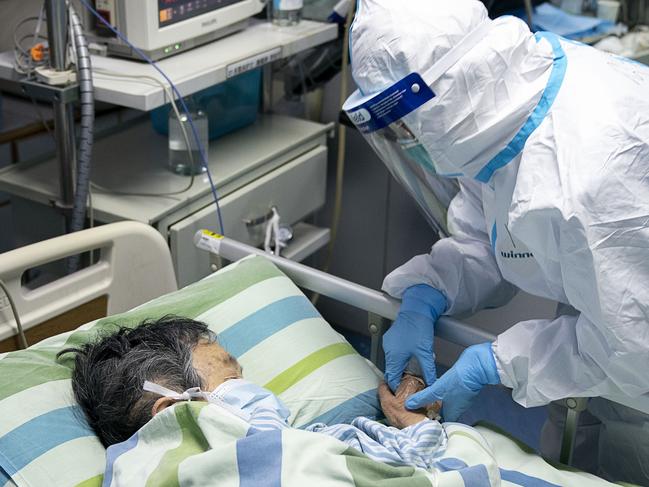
412 334
458 387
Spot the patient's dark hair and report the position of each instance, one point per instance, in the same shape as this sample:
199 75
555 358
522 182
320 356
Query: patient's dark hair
109 373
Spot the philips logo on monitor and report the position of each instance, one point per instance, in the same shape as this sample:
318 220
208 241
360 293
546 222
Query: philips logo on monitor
209 23
361 116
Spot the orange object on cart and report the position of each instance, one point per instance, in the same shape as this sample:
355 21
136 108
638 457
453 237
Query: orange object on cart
38 52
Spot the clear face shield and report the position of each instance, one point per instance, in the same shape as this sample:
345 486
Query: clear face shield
399 147
388 121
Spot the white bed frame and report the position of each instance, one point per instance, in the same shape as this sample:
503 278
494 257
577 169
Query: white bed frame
135 266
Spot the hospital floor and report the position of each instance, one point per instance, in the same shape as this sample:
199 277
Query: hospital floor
494 404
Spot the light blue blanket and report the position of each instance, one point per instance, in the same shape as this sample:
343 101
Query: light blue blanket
549 18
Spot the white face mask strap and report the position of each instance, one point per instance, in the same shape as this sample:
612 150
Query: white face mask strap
188 395
454 55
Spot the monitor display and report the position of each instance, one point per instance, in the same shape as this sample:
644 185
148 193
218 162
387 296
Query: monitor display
173 11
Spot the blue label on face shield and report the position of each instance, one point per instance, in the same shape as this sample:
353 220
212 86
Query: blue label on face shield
392 104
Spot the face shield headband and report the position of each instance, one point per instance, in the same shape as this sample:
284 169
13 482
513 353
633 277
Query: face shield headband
381 117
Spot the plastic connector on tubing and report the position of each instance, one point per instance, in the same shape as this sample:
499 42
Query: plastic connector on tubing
208 241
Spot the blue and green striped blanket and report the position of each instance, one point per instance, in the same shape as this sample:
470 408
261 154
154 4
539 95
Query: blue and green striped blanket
196 443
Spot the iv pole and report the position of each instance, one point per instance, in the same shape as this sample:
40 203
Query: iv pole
64 129
529 11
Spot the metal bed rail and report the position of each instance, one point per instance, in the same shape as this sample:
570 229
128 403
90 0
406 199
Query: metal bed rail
381 308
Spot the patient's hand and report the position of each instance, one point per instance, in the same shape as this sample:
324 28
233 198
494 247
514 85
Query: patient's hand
393 405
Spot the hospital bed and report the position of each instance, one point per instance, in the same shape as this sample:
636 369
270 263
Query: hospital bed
134 266
382 310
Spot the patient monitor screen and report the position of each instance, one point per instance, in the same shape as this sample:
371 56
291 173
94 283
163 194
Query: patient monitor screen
173 11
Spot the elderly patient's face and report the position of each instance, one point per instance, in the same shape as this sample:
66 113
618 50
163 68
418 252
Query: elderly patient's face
214 364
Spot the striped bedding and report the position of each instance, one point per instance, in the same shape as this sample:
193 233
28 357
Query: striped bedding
261 317
203 444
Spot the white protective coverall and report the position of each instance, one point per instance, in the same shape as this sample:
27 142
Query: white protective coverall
550 140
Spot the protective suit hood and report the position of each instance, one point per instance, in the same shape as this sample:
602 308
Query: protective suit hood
482 102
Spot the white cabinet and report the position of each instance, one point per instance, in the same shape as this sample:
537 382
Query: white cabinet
279 161
296 189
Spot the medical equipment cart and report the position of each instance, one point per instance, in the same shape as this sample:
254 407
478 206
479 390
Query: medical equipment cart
277 162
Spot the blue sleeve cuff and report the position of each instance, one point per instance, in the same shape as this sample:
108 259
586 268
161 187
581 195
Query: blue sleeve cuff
488 361
424 300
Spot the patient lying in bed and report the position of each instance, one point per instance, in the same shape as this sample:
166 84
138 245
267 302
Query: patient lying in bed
126 378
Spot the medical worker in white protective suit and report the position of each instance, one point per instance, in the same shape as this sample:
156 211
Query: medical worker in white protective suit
549 141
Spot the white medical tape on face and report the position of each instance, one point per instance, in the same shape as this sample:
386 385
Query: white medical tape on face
455 54
188 395
194 393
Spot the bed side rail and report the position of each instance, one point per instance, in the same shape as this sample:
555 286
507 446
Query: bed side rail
382 308
134 266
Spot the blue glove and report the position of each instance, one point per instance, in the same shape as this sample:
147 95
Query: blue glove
458 387
412 334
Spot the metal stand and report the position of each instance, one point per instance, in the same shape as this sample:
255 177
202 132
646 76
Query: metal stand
216 262
575 406
377 326
57 32
529 10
